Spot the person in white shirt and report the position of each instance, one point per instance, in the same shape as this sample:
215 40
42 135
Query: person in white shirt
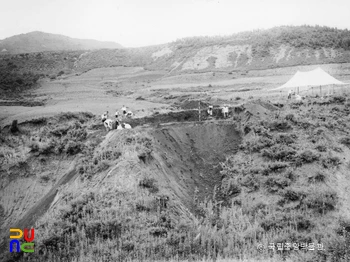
104 116
210 110
108 124
124 110
225 111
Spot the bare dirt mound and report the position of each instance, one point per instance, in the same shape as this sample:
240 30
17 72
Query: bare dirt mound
187 157
193 104
255 111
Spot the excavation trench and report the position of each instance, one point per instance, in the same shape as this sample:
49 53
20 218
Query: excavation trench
187 157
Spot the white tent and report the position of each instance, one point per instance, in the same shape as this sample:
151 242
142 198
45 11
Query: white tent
305 80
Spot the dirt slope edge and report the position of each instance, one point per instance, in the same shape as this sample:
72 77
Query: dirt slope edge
30 217
187 157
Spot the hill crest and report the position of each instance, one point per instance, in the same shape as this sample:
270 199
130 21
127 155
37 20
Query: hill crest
38 41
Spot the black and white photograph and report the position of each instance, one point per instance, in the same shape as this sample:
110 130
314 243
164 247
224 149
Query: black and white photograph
175 130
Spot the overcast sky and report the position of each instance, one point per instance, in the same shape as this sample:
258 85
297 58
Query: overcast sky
134 23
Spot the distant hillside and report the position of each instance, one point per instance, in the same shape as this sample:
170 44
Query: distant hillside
262 49
40 42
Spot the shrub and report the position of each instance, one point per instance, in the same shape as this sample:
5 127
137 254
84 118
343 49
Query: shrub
60 130
338 99
108 154
250 182
321 148
293 194
230 188
290 117
274 167
44 178
306 156
345 141
77 134
279 126
2 214
330 161
296 105
257 143
150 184
73 147
274 222
276 182
286 139
319 176
47 148
279 152
34 146
321 200
38 121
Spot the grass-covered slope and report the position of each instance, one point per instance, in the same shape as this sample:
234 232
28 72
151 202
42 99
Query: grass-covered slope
286 183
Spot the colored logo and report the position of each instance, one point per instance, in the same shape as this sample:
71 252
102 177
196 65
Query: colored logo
16 234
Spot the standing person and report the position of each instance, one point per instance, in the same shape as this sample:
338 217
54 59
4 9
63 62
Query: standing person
225 111
108 124
124 110
116 114
289 94
210 110
104 116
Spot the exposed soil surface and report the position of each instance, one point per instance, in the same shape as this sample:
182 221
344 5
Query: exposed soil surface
187 157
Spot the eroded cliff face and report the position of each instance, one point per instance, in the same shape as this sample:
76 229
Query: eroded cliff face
216 57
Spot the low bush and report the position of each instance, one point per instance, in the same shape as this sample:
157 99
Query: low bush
330 161
338 99
150 184
293 194
345 141
306 156
250 182
44 178
230 188
274 167
318 177
290 117
257 143
296 105
321 147
279 126
322 200
279 152
286 139
73 148
276 182
34 146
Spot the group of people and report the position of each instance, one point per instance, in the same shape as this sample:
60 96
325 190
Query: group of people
224 111
116 124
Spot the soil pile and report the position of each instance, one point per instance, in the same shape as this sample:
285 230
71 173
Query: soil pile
193 104
255 110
